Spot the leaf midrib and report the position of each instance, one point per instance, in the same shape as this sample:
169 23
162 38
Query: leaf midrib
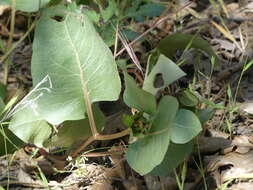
78 61
83 83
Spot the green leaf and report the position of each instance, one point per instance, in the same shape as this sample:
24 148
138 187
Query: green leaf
185 127
149 10
130 34
175 154
169 72
109 11
8 141
188 98
77 130
205 114
28 5
137 98
78 65
128 120
107 32
92 15
2 105
5 2
148 152
26 122
170 44
28 125
2 91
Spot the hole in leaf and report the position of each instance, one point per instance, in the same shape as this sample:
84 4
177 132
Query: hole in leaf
158 82
58 18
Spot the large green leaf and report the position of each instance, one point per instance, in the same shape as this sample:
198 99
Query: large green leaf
170 44
146 153
28 5
185 127
169 70
68 51
28 125
26 122
175 154
5 2
74 131
137 98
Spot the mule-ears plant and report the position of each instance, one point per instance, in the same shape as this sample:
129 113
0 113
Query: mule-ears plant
73 69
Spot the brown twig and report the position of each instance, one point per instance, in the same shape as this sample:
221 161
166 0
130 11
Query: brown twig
138 76
101 138
100 154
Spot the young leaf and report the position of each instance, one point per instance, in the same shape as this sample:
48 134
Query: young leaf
167 69
185 127
80 66
137 98
188 98
146 153
175 154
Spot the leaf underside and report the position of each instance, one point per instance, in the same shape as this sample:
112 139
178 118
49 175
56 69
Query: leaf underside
70 65
68 49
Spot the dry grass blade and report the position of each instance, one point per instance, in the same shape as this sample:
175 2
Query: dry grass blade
116 41
227 34
130 51
223 6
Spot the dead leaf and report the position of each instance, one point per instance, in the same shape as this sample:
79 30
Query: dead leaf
230 166
246 106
